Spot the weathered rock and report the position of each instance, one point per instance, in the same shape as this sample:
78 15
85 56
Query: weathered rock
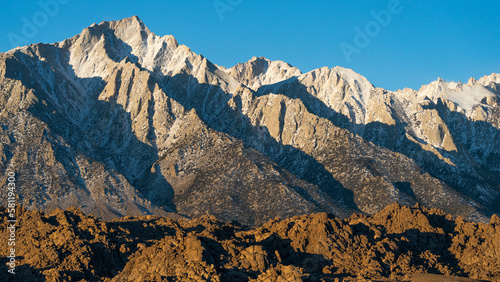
399 243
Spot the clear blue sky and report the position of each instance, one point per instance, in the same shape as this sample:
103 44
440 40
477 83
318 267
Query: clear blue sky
422 41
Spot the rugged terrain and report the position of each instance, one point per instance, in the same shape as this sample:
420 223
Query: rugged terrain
119 121
398 243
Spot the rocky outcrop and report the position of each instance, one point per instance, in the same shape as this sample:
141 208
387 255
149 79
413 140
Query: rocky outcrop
398 243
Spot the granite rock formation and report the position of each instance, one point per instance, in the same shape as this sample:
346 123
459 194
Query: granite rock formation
398 243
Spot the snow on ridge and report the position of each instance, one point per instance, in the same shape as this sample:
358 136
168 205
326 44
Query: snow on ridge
467 97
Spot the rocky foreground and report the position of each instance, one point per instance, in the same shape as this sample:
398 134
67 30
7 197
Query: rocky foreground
398 243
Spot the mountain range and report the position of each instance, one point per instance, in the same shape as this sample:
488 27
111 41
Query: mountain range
119 121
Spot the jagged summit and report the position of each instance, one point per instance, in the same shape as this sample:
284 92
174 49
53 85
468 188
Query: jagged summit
465 96
128 25
260 71
491 79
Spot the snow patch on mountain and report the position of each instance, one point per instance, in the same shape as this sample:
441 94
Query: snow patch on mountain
467 97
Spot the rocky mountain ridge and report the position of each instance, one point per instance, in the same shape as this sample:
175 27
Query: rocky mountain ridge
119 121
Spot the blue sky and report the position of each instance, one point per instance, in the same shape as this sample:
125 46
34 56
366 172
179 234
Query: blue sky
394 43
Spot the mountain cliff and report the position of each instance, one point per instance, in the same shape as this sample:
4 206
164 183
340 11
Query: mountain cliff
119 121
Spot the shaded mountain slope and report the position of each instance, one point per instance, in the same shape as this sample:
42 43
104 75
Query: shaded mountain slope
119 121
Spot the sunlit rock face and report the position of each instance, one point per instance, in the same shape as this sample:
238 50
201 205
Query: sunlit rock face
398 243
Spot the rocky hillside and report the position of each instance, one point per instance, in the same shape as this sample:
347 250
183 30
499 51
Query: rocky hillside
398 243
119 121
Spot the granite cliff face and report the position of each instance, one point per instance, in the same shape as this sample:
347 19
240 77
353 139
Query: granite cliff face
398 243
119 121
